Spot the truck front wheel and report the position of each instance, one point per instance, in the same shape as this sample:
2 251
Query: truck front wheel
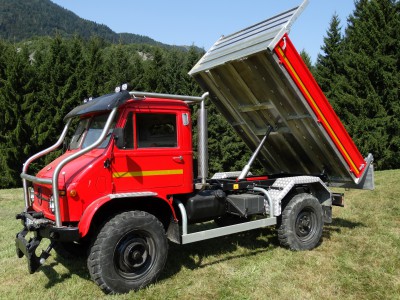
301 223
128 253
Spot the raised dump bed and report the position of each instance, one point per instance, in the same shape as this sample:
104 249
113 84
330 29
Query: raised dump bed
256 78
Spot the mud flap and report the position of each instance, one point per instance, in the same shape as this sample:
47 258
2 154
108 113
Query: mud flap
173 232
327 214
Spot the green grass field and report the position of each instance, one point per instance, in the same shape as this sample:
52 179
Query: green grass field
358 259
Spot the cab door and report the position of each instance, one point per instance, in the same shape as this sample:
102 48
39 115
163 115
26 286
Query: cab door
154 156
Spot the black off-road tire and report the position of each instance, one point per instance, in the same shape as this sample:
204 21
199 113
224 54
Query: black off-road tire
128 253
301 223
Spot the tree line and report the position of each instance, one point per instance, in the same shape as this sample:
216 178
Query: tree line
44 78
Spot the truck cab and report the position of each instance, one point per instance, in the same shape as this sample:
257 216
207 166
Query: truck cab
127 153
147 151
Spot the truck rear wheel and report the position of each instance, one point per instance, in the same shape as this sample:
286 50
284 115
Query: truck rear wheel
128 253
301 223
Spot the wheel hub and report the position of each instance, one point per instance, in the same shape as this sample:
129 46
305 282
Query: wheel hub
135 253
304 224
132 256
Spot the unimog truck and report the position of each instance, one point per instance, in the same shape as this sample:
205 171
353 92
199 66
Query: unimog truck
125 186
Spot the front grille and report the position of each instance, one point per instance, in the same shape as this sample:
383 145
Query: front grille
42 197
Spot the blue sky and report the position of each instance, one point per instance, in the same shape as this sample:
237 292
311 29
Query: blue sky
183 22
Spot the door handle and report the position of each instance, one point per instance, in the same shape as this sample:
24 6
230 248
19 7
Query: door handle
178 159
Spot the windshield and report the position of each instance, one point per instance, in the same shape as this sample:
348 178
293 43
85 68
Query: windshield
89 130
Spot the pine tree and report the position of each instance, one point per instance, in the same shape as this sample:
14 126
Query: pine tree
190 85
17 94
55 70
174 65
138 81
119 67
367 99
95 71
73 91
307 60
4 61
329 65
155 73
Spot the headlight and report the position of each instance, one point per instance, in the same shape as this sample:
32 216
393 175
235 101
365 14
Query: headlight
51 204
31 192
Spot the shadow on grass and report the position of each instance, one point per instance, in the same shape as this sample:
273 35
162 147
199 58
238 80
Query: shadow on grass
191 256
76 266
53 276
256 241
338 224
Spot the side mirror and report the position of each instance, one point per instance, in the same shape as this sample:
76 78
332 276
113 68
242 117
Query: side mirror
119 137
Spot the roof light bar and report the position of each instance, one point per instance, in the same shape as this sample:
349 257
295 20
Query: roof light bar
122 87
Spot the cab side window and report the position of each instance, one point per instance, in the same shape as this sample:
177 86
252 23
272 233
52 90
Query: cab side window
156 130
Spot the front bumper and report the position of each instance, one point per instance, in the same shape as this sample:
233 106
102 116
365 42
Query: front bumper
42 228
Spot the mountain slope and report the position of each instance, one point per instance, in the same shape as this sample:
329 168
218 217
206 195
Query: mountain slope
23 19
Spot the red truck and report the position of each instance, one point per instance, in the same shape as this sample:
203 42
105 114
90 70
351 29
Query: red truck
126 183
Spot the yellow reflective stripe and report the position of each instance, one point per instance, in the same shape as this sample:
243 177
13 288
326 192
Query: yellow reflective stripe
147 173
319 113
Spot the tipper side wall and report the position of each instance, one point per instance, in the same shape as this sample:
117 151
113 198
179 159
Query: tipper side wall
326 116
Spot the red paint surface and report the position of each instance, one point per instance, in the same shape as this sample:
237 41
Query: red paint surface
313 94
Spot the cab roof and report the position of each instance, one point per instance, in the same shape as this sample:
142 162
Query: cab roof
100 104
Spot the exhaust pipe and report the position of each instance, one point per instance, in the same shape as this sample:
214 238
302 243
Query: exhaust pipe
202 143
